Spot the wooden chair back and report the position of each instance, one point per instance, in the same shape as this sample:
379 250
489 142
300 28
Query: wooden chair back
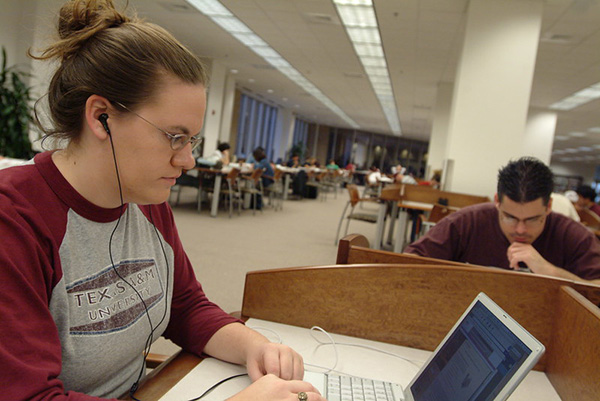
353 193
438 212
589 218
233 174
256 174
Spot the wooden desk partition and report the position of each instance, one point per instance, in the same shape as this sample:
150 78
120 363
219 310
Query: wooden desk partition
416 306
410 305
573 363
354 249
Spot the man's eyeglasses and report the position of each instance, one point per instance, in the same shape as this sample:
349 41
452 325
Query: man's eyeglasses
530 222
178 141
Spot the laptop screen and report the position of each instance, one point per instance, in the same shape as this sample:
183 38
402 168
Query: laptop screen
475 363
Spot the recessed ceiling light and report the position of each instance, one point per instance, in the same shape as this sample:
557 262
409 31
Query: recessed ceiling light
585 149
583 96
251 80
561 138
595 130
269 90
577 134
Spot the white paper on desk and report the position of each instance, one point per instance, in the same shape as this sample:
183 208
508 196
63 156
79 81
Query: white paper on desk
203 376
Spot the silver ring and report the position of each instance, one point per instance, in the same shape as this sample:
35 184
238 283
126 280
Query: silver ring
302 396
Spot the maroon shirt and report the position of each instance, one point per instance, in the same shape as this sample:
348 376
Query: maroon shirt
473 235
595 208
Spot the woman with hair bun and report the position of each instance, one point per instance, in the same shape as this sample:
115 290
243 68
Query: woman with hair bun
92 270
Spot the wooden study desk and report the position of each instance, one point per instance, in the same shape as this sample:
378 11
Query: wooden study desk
414 197
400 367
218 177
416 305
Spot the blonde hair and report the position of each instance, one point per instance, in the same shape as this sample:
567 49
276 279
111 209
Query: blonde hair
105 52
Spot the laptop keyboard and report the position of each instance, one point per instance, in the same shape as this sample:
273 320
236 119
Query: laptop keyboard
349 388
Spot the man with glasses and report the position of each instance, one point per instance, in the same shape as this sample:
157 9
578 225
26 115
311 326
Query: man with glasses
518 231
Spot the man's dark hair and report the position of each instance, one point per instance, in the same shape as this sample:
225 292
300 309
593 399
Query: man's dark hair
259 154
223 146
585 191
525 180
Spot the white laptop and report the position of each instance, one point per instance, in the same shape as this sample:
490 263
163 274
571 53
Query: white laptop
483 358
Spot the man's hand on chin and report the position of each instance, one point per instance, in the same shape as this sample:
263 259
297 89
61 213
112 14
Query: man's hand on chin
526 253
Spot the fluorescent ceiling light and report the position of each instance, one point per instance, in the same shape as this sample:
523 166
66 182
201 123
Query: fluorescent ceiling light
360 16
368 50
231 24
578 98
576 134
374 62
364 35
360 22
226 20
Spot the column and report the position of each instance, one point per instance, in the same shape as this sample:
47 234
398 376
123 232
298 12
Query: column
491 92
539 134
228 103
214 107
284 133
439 131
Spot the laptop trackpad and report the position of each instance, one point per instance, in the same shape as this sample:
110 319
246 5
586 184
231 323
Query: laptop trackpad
317 380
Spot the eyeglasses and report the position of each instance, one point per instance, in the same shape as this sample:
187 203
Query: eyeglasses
530 222
178 141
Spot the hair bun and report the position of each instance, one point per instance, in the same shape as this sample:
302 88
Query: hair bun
84 18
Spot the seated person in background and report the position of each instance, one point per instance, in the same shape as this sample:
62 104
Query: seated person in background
218 158
311 162
561 204
332 165
401 176
251 159
262 162
587 195
294 161
517 230
435 181
374 176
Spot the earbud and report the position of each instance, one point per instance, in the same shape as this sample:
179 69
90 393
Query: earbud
103 118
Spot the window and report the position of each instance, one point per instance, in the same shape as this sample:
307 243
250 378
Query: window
256 127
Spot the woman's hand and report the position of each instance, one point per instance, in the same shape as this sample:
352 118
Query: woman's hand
272 388
276 359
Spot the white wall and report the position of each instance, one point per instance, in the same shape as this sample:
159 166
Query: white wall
16 30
